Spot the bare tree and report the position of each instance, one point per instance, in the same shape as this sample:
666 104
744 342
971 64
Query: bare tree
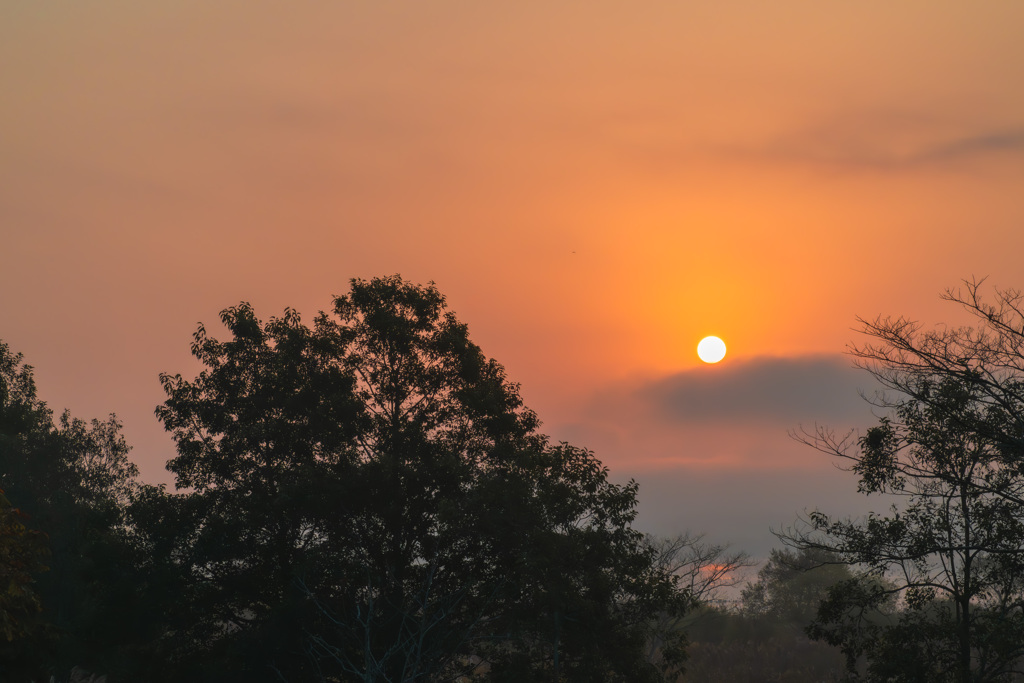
703 569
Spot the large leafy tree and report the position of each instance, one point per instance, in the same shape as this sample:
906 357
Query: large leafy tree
371 501
948 451
262 433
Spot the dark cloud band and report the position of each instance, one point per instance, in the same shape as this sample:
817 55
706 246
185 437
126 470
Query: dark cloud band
798 390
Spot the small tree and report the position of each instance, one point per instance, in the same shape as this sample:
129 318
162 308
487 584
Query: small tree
76 480
703 569
791 585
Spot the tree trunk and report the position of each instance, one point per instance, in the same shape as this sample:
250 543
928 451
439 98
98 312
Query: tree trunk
964 634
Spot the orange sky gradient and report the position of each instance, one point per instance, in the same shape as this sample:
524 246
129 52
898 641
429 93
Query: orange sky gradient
594 186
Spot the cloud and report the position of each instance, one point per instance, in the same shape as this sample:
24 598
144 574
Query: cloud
710 447
895 141
995 142
710 450
729 417
803 389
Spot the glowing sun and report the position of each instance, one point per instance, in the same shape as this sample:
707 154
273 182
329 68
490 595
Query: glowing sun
711 349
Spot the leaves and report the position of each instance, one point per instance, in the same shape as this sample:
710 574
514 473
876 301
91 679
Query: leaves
22 552
371 493
948 452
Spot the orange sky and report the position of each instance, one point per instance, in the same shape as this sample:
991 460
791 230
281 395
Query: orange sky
594 186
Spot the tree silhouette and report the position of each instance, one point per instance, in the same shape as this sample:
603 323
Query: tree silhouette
75 479
949 451
22 554
373 502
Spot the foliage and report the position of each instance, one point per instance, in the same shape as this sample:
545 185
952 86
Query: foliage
790 658
22 552
949 451
762 638
792 584
369 500
76 479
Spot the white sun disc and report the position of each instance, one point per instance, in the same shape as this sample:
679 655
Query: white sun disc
711 349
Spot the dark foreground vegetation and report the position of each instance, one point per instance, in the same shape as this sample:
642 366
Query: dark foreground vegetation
367 499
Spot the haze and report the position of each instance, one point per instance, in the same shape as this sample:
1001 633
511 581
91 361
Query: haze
593 186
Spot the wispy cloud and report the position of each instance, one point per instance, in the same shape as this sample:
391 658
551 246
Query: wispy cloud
1010 141
894 141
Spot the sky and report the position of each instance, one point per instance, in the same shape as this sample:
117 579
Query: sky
593 186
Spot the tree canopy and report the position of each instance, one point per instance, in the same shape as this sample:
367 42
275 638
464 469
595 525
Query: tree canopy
68 489
370 500
367 498
949 451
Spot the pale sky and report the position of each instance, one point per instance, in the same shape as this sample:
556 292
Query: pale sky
594 186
